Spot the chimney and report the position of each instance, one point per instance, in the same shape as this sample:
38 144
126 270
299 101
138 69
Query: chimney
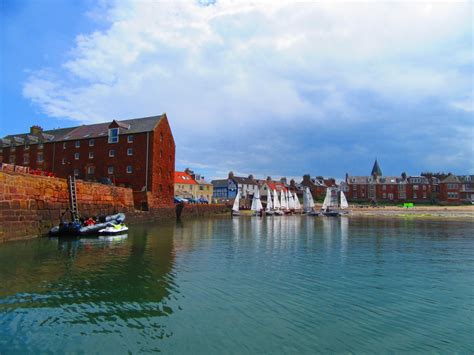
251 176
35 130
269 178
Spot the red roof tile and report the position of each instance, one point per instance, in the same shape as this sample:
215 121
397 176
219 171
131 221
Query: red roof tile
180 177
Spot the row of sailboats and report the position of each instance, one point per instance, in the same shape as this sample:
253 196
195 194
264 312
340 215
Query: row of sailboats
289 202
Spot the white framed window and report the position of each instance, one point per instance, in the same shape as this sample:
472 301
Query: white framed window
129 169
40 157
76 172
63 161
26 159
415 187
78 144
91 142
40 146
91 155
90 170
76 156
111 153
64 145
110 170
130 151
113 135
130 138
414 195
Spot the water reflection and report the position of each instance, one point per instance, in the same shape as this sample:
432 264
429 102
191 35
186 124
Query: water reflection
299 283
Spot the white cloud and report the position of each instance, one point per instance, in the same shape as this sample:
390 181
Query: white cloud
234 66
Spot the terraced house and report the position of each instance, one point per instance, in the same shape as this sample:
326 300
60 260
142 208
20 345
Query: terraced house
136 153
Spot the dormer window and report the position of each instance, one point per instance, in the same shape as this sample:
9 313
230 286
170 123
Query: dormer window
113 135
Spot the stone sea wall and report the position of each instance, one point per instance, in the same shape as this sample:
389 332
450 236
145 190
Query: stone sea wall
30 205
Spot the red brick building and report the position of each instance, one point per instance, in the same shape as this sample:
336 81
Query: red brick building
450 189
137 153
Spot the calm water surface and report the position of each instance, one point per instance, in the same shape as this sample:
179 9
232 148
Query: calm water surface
277 285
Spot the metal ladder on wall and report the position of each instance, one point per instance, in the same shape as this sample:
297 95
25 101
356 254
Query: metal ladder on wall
73 198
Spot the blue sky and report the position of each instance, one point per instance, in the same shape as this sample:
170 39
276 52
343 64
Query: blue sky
272 88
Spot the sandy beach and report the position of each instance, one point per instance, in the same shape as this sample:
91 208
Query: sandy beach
417 211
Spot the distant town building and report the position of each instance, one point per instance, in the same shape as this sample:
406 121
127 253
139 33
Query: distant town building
137 153
203 189
184 185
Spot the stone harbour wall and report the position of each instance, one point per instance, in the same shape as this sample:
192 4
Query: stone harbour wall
30 205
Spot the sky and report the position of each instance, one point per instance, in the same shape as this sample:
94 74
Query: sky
269 88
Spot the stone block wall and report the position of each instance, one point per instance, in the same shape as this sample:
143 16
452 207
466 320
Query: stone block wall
30 205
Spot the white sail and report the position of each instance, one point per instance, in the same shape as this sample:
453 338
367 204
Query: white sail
276 202
235 207
256 203
310 199
269 200
344 203
291 202
306 206
327 199
297 201
284 204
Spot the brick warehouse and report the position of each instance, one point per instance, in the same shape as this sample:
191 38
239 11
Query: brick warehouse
137 153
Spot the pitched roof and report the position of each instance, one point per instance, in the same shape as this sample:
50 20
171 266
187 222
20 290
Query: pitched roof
376 169
276 185
180 177
451 179
244 180
137 125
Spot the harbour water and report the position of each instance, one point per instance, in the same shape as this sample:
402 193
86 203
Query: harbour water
245 285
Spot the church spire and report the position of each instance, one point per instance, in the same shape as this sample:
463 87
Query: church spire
376 171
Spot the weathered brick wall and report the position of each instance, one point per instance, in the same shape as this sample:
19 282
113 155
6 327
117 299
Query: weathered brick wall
31 205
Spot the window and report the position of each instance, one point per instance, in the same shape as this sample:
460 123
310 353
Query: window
414 195
424 194
76 156
76 172
113 135
40 146
390 196
402 195
91 155
161 137
452 195
63 161
130 139
130 151
110 170
90 170
161 154
384 195
112 153
39 157
91 142
415 187
161 171
64 145
129 169
12 159
13 148
26 159
78 144
27 146
384 187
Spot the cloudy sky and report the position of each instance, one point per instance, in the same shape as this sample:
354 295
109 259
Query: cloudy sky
270 88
